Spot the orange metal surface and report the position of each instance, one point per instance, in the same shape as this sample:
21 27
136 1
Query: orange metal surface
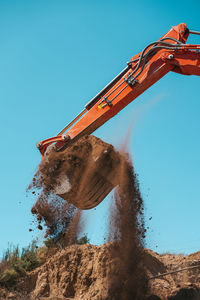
182 59
186 62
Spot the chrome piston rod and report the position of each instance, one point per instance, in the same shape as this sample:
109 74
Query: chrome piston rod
194 32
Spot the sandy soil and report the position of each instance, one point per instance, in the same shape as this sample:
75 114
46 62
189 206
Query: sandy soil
83 272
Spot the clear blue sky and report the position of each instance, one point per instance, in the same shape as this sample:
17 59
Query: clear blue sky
55 55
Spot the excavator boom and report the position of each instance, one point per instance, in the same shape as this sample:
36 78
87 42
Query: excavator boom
169 53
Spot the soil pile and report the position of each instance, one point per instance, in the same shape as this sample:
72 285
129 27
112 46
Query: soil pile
182 276
83 272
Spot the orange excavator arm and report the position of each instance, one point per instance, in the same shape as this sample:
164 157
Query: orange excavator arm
169 53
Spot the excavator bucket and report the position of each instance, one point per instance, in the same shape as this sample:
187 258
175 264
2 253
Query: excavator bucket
82 174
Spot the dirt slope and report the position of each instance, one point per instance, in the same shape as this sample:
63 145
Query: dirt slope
178 285
83 271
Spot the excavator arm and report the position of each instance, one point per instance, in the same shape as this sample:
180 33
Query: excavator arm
169 53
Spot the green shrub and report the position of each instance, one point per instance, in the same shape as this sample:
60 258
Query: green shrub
29 258
12 255
9 277
63 242
83 240
3 265
50 243
15 263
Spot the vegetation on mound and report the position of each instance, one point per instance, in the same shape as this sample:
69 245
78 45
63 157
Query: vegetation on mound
15 263
62 242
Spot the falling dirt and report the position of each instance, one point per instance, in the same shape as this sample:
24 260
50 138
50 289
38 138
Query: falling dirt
80 176
53 213
127 232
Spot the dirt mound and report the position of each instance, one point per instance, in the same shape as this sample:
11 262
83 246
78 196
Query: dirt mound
83 272
180 279
189 293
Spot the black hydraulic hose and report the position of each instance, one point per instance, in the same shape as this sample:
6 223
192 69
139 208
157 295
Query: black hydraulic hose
156 43
154 46
142 68
170 38
162 46
91 103
148 53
